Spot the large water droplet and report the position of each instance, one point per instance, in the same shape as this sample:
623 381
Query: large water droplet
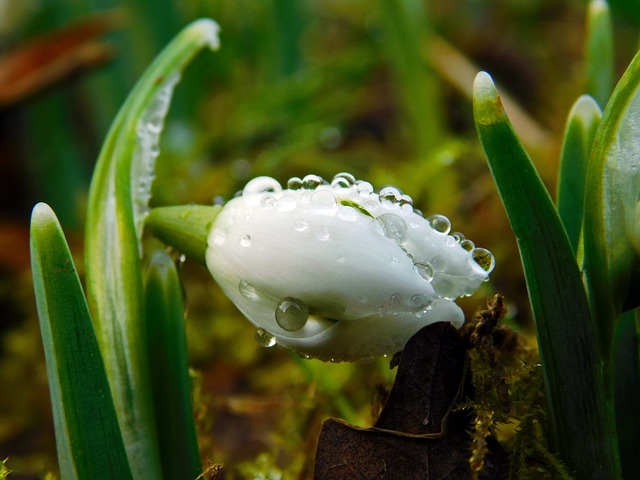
425 270
264 338
311 182
291 314
322 199
364 188
484 258
262 185
394 227
440 223
468 245
294 183
245 241
248 291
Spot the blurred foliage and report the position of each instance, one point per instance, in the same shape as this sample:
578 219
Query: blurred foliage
292 91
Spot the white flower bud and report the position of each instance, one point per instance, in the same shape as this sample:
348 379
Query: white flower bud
336 271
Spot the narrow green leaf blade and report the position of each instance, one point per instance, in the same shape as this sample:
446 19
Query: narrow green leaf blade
599 53
87 433
612 220
626 368
184 227
170 370
582 123
566 339
117 206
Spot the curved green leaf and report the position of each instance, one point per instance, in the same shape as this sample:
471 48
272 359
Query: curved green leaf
599 53
582 123
117 206
565 333
612 225
87 433
170 370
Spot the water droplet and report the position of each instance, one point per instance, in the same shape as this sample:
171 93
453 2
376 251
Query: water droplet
310 182
348 214
389 196
406 200
264 338
294 183
425 270
322 199
364 188
484 258
440 223
340 259
322 234
268 201
438 263
248 291
381 311
343 180
218 236
421 304
245 241
300 225
468 245
458 236
262 185
394 227
396 300
291 314
450 241
418 212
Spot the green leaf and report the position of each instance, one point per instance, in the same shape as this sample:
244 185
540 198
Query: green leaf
611 230
117 206
170 370
626 374
87 433
565 333
599 53
184 227
582 123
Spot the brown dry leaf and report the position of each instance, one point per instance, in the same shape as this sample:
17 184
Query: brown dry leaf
416 436
36 65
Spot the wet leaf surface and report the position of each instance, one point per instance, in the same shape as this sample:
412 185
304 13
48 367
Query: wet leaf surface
417 436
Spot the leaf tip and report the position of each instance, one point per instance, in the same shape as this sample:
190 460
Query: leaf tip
207 31
487 105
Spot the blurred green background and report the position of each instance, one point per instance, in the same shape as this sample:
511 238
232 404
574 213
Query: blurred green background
377 88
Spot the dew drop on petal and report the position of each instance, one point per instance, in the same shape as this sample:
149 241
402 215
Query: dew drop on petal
468 245
348 214
248 291
438 263
245 241
425 270
294 183
300 225
291 314
218 236
450 241
440 223
389 196
322 234
264 338
311 182
268 201
394 227
262 185
322 199
343 180
484 258
381 311
364 188
406 200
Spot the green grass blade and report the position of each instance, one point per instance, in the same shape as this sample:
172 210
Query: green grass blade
117 206
580 430
626 369
600 72
582 123
170 370
184 227
610 232
87 433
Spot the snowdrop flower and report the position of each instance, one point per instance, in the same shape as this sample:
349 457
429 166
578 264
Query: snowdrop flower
336 271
